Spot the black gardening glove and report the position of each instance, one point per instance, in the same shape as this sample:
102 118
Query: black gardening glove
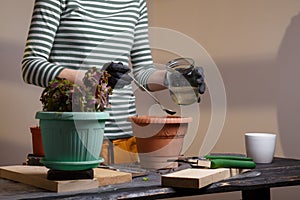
199 80
118 74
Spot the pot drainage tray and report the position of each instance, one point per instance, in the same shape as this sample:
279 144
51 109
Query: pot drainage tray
72 165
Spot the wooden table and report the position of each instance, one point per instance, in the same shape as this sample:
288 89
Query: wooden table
282 172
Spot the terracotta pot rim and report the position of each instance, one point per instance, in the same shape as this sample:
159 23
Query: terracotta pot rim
147 119
34 127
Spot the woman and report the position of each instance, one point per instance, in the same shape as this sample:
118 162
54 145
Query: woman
67 36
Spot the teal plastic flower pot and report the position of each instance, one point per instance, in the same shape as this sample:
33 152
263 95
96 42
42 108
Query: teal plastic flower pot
72 140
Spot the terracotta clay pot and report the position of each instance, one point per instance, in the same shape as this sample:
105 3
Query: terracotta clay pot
37 145
159 139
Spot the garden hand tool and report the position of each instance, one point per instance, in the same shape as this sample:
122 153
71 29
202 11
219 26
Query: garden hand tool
219 161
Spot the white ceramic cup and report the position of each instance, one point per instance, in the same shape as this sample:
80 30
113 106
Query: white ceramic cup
260 146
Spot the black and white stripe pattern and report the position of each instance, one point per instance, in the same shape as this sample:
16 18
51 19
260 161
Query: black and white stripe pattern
84 33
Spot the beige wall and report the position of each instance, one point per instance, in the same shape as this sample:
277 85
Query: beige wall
254 43
18 100
248 41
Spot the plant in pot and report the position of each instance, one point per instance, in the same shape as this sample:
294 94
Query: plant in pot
72 121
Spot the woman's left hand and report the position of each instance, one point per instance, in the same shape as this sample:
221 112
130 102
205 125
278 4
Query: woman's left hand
199 77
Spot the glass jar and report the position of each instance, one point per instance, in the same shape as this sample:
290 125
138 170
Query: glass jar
182 81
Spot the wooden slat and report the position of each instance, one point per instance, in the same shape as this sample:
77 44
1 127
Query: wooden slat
111 177
196 178
37 176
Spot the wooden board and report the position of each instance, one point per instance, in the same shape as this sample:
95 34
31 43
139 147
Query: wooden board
197 178
111 177
37 176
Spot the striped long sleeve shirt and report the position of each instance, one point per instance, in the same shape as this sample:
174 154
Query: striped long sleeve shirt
77 34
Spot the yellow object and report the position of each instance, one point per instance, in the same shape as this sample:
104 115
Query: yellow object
118 151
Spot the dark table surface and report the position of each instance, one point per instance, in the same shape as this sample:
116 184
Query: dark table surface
282 172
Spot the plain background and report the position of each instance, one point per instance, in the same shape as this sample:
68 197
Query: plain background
255 45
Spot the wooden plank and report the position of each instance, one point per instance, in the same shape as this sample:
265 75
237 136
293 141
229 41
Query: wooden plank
197 178
37 176
111 177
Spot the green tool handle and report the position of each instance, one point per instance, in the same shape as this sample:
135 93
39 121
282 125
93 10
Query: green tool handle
231 163
229 157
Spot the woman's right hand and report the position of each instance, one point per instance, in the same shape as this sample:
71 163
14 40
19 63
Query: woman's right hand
118 74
